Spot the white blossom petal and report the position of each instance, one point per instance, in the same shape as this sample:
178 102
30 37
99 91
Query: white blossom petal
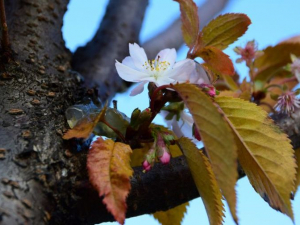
187 118
168 55
138 89
199 75
138 56
164 80
182 70
128 61
162 71
129 74
177 129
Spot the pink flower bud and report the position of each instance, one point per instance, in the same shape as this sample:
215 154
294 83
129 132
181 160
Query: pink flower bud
146 165
196 133
165 158
150 158
162 150
209 89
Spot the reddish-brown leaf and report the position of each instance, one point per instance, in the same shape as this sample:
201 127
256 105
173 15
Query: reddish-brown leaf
274 58
109 170
225 29
190 21
85 127
216 60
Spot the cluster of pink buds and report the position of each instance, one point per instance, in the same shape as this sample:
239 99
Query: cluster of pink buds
248 53
287 102
159 149
209 89
150 158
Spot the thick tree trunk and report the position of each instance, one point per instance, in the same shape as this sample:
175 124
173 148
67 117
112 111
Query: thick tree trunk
41 176
43 179
35 90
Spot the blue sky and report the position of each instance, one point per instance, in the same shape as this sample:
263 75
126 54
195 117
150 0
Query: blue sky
272 22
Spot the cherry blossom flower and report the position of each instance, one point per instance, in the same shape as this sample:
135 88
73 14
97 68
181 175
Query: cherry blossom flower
287 102
162 70
249 53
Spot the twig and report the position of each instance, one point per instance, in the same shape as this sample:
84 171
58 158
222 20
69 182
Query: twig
96 61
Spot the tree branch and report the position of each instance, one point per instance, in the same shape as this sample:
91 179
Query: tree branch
35 34
164 187
120 26
172 37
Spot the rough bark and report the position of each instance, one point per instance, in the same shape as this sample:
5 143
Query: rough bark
43 179
35 89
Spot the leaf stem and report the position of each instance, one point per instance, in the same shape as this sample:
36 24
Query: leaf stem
154 95
121 136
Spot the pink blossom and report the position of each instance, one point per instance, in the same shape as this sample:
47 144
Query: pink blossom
146 165
165 158
287 102
248 54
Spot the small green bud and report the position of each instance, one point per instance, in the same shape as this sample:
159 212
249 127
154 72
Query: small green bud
134 116
142 117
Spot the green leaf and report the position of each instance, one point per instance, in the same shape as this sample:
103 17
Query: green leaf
225 29
264 152
190 21
274 58
216 60
205 180
172 216
109 170
217 138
